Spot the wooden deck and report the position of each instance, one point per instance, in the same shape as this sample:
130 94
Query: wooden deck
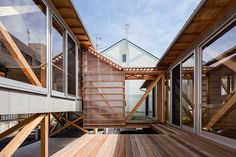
170 142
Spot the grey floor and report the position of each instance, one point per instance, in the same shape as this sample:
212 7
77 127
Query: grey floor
33 150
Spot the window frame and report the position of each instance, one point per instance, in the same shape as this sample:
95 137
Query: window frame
22 86
215 137
54 92
76 68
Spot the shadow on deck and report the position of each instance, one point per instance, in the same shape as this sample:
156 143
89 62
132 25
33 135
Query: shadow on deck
169 142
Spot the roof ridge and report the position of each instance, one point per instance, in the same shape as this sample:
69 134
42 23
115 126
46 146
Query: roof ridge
125 39
104 59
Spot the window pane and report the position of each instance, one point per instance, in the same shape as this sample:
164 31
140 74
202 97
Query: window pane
23 41
219 84
168 97
58 57
80 73
176 95
123 57
71 66
187 91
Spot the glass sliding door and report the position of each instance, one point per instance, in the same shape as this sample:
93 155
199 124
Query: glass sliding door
71 62
176 95
219 84
187 94
58 70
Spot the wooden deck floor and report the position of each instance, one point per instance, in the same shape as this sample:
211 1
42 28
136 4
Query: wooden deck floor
171 142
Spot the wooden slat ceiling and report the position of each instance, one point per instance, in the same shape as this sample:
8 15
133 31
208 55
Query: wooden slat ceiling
203 17
71 17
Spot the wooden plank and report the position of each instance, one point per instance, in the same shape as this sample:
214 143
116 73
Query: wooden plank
97 147
44 136
20 137
86 149
19 58
225 107
149 89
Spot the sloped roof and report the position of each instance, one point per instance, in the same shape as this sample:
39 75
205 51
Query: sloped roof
206 13
130 70
124 39
203 17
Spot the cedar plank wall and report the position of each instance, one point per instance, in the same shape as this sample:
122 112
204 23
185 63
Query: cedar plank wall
103 93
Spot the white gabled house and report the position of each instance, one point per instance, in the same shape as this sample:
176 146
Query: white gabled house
128 54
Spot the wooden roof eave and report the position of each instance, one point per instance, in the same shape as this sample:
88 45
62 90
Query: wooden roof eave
72 18
193 28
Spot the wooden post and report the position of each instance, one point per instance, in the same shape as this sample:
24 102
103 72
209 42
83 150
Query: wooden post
44 136
95 130
163 98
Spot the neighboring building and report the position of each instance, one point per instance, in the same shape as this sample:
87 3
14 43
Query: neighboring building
128 54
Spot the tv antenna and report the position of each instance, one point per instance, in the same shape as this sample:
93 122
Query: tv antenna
97 39
126 30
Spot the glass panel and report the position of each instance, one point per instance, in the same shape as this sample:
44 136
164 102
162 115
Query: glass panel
154 102
71 66
23 41
187 91
168 97
176 95
58 72
79 73
218 84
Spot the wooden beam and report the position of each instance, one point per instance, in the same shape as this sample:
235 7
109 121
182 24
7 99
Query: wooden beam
149 89
19 58
20 137
44 136
225 107
17 126
68 124
190 115
187 99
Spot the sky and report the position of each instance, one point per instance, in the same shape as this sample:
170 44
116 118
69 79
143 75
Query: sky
153 24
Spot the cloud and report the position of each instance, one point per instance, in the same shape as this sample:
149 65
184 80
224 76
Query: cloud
153 24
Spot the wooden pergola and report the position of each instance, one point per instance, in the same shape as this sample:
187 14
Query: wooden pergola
104 90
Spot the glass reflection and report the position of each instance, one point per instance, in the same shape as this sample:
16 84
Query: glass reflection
187 91
219 84
23 41
58 72
71 66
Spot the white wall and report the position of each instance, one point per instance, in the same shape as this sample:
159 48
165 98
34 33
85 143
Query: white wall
17 102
